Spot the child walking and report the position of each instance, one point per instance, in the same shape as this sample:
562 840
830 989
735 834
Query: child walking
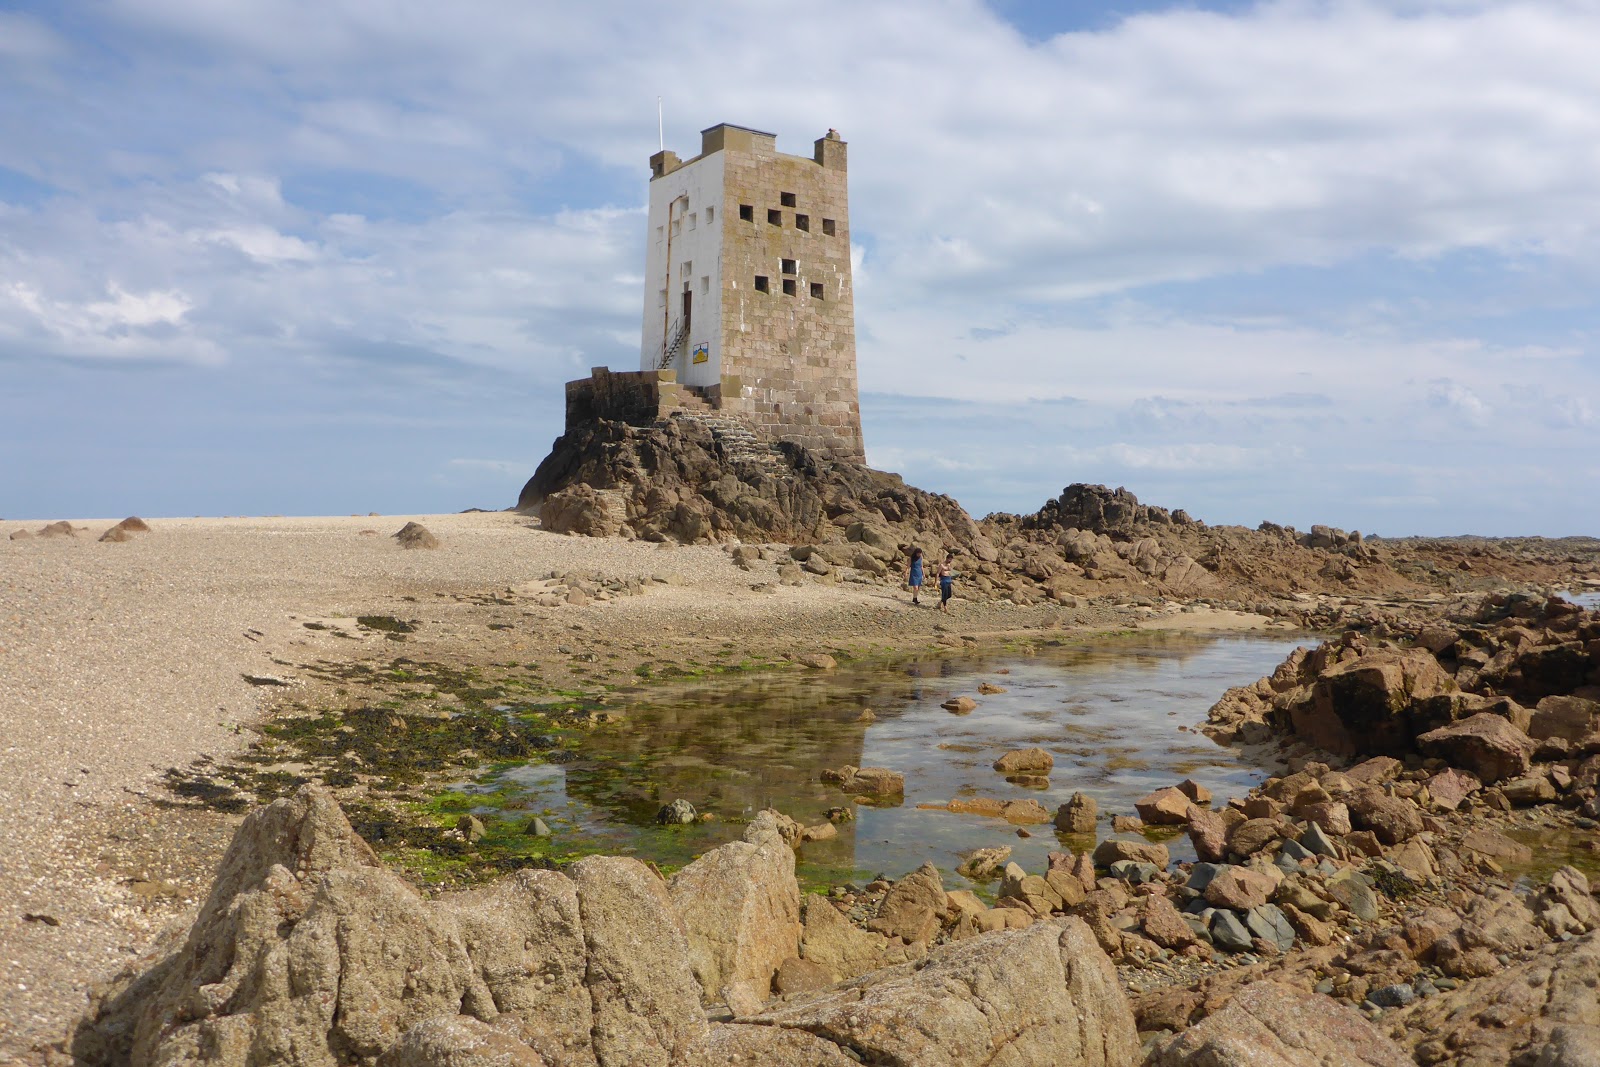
947 580
914 575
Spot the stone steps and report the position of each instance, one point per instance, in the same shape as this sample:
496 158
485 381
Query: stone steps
738 441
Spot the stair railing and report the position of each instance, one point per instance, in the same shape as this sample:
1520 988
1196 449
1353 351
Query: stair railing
672 344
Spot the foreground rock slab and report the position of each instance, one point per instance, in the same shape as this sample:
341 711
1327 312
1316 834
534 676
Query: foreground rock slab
1269 1025
1045 996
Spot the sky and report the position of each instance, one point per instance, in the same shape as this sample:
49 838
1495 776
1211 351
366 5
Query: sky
1307 262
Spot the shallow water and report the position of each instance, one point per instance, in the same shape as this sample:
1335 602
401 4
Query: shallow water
1108 709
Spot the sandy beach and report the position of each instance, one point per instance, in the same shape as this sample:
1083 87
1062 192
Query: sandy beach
119 661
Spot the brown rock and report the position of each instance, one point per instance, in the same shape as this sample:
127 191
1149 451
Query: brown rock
1026 998
458 1041
1252 835
60 528
1165 807
1126 824
796 975
1333 817
1130 847
740 908
116 534
1208 831
1025 812
978 806
1239 888
1525 792
1162 924
1569 717
911 910
1375 771
984 863
1496 846
1450 787
1485 744
1539 1011
819 661
1373 702
1024 760
1195 791
1269 1025
1260 807
415 535
1391 818
1078 815
829 940
741 1045
959 705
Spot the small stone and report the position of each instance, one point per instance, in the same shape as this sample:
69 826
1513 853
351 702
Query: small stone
537 827
1392 996
1134 872
1078 815
1024 760
1317 843
817 661
471 827
679 812
1269 923
1228 933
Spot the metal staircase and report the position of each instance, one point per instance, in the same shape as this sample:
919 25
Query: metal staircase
673 343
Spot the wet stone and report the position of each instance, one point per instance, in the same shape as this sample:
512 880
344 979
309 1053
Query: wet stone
1270 923
1134 872
679 812
1392 996
1228 933
1316 842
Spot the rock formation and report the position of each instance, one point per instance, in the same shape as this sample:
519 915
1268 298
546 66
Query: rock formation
308 953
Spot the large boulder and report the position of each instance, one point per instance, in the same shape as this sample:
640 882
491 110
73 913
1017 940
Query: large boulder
1044 996
459 1041
844 950
646 1000
1375 703
305 953
1485 744
524 935
1269 1025
740 906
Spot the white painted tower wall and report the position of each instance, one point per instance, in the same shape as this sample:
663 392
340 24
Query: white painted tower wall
679 206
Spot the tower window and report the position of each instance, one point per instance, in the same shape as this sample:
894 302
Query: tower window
788 266
775 216
677 227
786 199
686 268
663 298
660 232
788 287
711 215
761 285
705 284
816 290
747 213
692 221
802 222
828 227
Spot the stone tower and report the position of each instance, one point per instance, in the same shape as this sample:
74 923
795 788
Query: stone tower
748 305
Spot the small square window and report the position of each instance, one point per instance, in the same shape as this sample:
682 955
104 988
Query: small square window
705 284
711 215
761 285
828 227
747 213
692 221
788 266
786 199
802 222
816 290
686 268
788 287
677 227
775 216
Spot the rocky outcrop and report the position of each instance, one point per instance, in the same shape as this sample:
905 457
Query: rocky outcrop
675 480
740 907
1269 1025
308 953
1543 1011
1045 996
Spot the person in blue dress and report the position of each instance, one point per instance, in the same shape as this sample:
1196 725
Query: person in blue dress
914 576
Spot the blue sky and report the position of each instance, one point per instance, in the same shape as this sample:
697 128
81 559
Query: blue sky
1301 261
